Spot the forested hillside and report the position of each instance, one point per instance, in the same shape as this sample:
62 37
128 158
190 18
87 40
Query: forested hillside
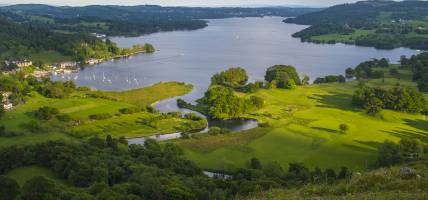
134 20
381 24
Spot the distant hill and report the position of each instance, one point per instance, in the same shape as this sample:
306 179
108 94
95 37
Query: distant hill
364 12
133 20
380 24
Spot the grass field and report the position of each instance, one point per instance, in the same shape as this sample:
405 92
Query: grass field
304 127
79 108
23 174
342 38
150 95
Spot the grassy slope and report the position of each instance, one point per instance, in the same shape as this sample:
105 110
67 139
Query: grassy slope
79 108
149 95
381 184
23 174
304 128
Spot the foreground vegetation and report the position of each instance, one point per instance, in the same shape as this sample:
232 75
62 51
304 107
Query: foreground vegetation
399 182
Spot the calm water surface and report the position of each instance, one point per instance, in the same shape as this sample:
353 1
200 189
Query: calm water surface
194 56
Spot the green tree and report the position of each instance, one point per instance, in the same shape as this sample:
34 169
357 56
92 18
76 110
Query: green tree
343 128
233 77
39 188
255 163
285 76
2 111
46 113
9 188
305 80
389 154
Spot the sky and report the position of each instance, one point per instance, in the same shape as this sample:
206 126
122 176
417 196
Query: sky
205 3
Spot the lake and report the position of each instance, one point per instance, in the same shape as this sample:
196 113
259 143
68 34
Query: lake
194 56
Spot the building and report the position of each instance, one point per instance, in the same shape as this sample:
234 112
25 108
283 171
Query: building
19 63
93 61
7 106
5 100
99 36
5 96
64 65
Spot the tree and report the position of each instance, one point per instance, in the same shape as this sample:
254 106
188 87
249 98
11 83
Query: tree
389 154
149 48
411 149
374 106
46 113
285 76
343 128
233 77
330 175
9 188
223 103
305 80
350 73
2 111
39 188
344 173
255 163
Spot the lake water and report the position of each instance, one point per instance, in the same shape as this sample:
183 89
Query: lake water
194 56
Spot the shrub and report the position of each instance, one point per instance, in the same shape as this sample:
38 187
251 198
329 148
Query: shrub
100 116
343 128
64 117
46 113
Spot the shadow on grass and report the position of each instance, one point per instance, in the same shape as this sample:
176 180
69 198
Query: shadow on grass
373 144
334 100
359 148
409 134
327 130
418 124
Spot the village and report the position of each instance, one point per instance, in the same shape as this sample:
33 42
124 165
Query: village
67 67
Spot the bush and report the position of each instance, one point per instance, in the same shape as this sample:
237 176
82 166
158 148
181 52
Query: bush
343 128
130 110
258 102
46 113
64 118
100 116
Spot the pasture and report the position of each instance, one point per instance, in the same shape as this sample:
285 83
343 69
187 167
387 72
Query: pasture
79 107
303 126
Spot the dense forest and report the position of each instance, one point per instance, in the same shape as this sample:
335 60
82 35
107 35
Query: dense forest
381 24
23 41
133 20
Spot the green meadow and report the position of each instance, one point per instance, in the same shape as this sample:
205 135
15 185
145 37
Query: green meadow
79 106
303 126
342 38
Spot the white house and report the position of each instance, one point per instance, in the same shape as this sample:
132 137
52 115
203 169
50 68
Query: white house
19 63
8 106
